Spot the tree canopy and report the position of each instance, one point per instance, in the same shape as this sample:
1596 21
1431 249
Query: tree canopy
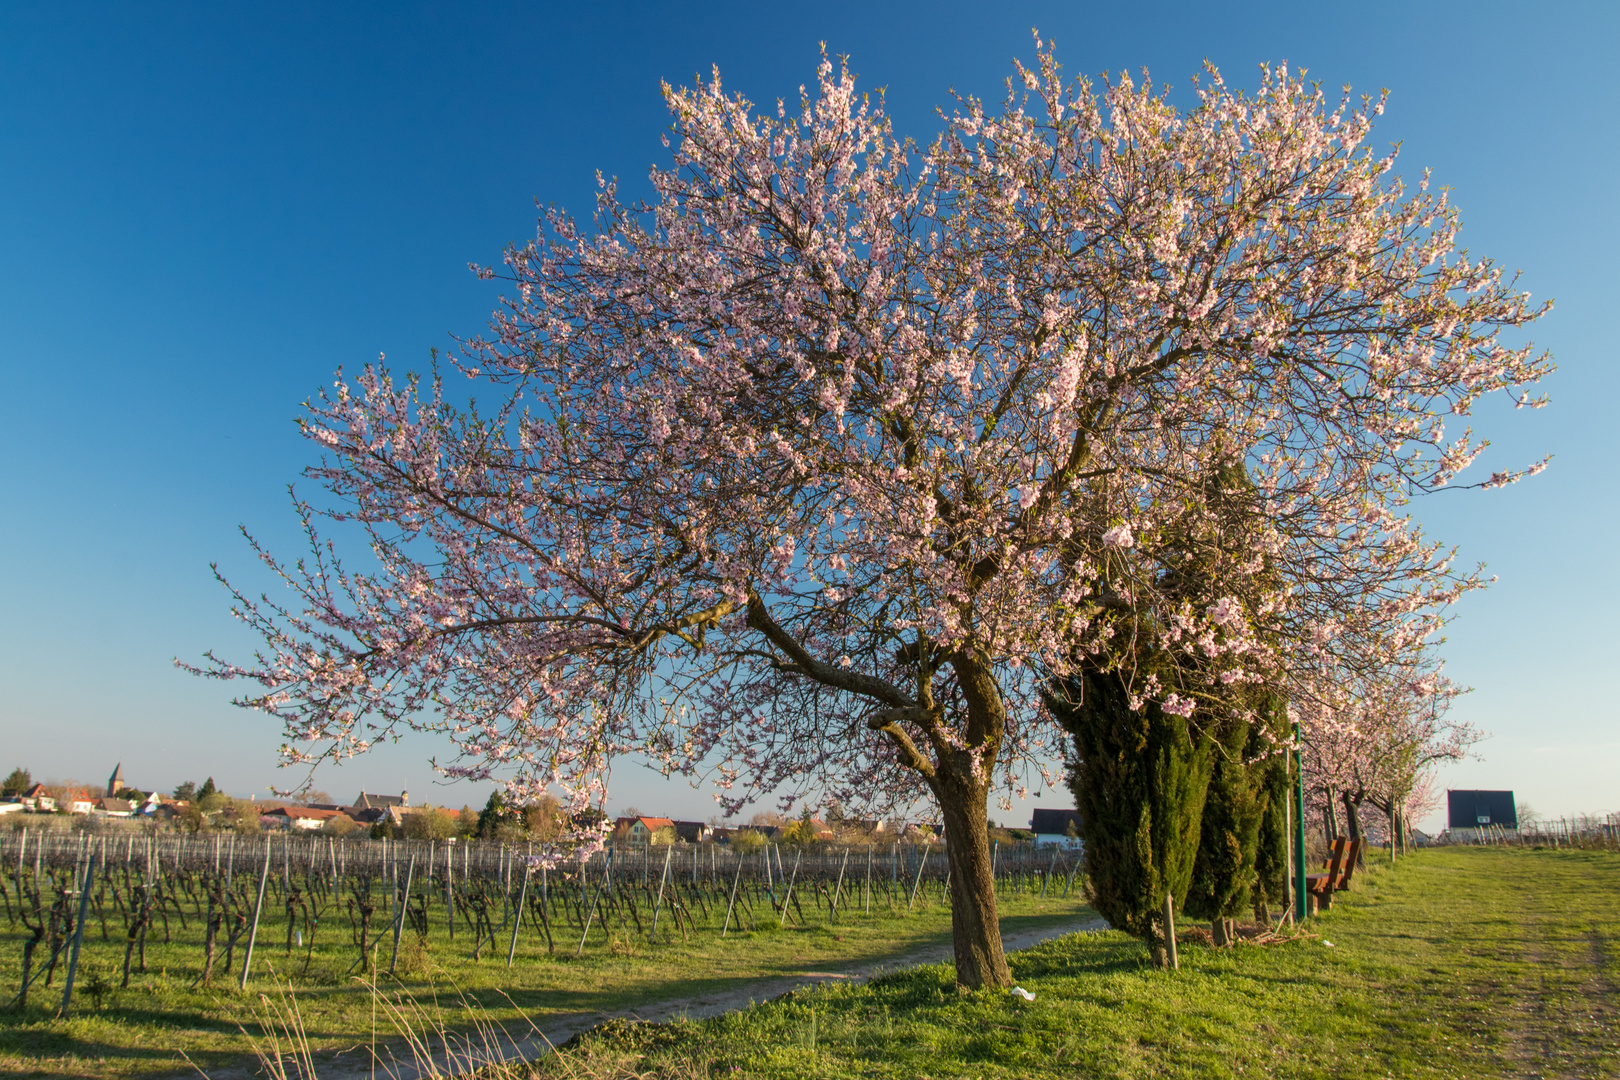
805 474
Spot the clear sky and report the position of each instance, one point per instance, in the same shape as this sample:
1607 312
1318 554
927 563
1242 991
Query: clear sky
207 210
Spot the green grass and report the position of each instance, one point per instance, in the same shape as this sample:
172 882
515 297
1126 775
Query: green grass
1460 962
142 1030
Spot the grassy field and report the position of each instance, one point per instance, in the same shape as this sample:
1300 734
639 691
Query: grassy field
1479 962
139 1031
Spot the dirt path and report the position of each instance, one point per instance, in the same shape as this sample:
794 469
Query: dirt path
463 1053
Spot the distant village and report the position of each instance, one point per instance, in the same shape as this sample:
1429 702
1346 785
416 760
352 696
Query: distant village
197 808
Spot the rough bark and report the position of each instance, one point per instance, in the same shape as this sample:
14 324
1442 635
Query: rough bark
975 925
963 800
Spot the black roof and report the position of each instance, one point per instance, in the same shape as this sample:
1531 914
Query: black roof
1053 821
1473 809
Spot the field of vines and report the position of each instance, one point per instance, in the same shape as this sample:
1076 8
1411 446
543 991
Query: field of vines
215 910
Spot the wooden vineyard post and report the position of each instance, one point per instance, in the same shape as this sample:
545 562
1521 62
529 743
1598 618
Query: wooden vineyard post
258 906
914 885
867 899
788 895
607 868
517 923
832 909
1050 867
1170 931
78 935
652 936
401 903
732 902
449 894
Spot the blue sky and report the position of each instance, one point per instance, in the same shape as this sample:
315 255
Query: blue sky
207 211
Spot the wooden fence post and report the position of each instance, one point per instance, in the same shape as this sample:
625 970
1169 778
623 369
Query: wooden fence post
403 901
258 906
1170 931
663 874
78 935
914 885
732 902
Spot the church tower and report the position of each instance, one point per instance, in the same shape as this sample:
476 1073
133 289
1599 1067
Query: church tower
115 783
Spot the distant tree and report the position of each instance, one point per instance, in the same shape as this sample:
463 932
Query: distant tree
544 820
467 822
190 819
664 836
17 782
186 792
207 789
490 816
340 826
131 794
211 802
747 841
428 823
316 797
241 815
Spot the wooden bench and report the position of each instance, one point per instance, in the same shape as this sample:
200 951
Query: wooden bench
1341 865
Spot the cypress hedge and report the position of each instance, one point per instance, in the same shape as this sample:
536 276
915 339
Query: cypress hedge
1139 779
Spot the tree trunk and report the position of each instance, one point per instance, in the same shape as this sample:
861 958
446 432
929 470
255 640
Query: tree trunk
975 926
1330 820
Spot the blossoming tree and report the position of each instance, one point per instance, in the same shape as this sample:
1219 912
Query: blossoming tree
807 473
1376 738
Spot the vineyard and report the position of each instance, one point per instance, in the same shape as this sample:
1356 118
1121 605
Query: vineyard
214 910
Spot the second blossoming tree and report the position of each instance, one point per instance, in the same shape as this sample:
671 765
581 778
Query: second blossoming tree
806 474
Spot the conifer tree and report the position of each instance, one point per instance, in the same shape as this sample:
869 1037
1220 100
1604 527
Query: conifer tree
1138 778
1244 782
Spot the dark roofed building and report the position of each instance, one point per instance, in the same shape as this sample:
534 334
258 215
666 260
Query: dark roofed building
1480 810
366 801
1055 827
1053 821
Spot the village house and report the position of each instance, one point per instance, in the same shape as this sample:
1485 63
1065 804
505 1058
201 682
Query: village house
1060 828
367 801
297 818
39 799
641 830
117 808
1478 815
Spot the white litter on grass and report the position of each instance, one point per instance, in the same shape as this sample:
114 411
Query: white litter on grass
1019 991
1328 943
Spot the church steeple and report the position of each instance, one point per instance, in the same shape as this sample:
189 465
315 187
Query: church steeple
115 783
